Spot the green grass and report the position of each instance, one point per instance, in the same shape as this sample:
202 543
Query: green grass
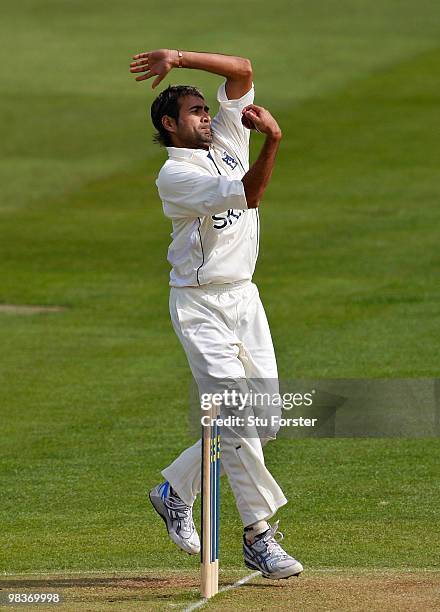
94 399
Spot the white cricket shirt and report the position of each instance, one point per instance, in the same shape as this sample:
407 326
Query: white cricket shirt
215 236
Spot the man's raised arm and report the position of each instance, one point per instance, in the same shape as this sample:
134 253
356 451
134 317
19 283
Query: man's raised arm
236 70
258 176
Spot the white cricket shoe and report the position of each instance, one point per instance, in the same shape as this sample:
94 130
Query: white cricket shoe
177 516
267 556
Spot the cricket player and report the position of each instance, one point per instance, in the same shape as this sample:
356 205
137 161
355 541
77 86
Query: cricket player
211 196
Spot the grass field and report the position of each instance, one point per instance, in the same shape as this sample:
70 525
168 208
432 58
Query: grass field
94 397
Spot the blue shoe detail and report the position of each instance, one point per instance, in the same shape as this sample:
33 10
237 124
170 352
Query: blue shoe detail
163 489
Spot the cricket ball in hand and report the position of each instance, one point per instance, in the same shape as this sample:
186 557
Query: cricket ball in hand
248 123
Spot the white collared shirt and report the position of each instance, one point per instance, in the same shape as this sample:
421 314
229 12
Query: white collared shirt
215 236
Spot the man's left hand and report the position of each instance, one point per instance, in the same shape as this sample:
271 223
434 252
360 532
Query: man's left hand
154 63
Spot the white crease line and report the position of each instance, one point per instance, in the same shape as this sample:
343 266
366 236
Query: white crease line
204 601
163 572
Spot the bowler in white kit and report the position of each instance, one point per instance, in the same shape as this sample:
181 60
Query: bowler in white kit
211 196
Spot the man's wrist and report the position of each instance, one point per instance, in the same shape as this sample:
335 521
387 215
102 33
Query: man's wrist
275 135
177 60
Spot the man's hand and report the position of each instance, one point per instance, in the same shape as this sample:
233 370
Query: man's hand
262 120
154 63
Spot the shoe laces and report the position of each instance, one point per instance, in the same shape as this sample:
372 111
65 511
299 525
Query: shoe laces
272 543
183 512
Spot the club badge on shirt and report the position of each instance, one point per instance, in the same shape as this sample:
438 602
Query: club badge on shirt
229 160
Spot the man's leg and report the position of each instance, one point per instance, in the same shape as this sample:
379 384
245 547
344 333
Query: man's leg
204 322
258 357
261 549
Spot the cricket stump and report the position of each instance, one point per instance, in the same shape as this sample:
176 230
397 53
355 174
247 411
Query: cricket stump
210 504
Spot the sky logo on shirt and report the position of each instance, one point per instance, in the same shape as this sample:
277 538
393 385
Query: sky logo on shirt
228 218
229 160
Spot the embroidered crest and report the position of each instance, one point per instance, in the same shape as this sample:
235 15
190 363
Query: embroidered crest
229 160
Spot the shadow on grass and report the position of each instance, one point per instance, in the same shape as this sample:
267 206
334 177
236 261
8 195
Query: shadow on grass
98 591
156 591
128 582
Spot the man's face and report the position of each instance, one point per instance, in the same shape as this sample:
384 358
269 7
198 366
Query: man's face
193 129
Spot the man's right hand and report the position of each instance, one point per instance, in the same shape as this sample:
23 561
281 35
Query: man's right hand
263 121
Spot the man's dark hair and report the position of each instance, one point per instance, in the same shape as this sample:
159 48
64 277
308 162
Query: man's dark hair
167 103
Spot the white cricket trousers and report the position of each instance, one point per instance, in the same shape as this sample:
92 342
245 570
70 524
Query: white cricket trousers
224 332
